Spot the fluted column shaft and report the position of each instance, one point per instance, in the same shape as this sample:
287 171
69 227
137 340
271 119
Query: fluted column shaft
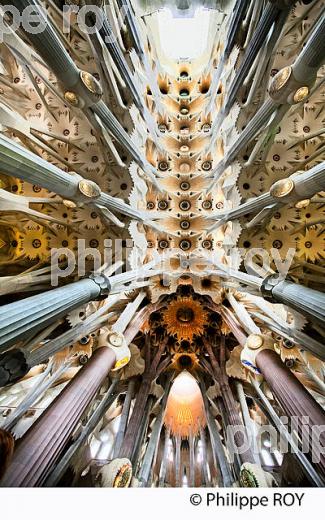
250 206
56 57
164 462
233 324
238 13
63 464
53 50
260 119
312 54
294 399
154 438
309 302
269 16
36 312
305 185
113 47
178 481
130 16
17 161
247 418
239 10
204 462
124 417
192 461
231 407
303 73
225 476
141 434
120 134
43 443
136 419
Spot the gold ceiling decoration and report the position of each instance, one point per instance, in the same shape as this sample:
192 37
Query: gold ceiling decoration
184 361
185 318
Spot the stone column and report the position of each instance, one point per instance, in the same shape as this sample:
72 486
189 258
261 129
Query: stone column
140 404
124 417
290 86
148 459
247 419
36 312
204 458
225 476
300 186
234 419
296 402
270 15
259 120
232 322
81 88
114 49
294 399
63 464
238 13
297 456
42 445
312 54
50 47
164 462
309 302
17 161
237 17
141 434
178 479
192 460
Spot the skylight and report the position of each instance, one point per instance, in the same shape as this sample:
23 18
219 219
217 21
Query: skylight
183 38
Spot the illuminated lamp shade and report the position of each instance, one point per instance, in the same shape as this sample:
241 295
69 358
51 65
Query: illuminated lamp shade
185 408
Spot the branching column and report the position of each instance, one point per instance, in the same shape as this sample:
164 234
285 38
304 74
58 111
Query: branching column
307 416
148 377
178 478
225 476
154 439
164 462
192 461
204 462
35 312
231 407
309 302
124 417
42 445
296 401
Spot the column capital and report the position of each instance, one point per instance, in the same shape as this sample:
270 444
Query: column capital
255 343
268 285
103 283
282 189
285 88
117 343
89 189
87 91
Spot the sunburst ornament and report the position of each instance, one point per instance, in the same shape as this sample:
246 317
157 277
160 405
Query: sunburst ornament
185 318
